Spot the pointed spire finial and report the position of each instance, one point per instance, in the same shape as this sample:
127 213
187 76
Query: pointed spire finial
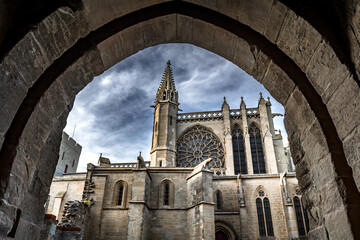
261 99
167 90
140 153
242 103
225 103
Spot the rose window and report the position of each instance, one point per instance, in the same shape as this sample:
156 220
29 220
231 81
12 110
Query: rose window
199 144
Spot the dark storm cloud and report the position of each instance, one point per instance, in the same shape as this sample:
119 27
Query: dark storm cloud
112 114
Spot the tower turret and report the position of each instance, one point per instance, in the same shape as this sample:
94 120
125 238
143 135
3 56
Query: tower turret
163 150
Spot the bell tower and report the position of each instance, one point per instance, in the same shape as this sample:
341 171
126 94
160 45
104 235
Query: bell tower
163 148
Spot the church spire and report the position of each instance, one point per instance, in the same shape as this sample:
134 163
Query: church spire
163 149
167 90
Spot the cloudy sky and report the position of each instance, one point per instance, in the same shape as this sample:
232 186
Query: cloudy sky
113 115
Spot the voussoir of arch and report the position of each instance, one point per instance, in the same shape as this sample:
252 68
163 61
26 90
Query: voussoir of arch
45 75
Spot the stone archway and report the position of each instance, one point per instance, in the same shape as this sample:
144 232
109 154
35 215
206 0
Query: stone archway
46 69
223 231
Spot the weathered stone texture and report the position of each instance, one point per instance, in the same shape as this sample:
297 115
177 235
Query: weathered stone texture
298 39
325 71
277 16
256 13
201 31
344 107
352 153
98 13
243 56
299 111
12 91
284 87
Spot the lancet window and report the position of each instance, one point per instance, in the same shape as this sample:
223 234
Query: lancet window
264 215
120 191
197 145
238 150
166 194
257 153
302 219
218 200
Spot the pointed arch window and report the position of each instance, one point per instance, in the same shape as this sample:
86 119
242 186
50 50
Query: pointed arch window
166 194
257 153
302 219
120 194
238 150
264 215
218 200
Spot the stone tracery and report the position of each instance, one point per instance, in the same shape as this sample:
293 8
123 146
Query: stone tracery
197 145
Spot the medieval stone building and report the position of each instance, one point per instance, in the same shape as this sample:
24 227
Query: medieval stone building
212 175
69 155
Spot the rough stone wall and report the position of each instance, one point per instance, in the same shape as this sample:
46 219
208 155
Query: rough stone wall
63 189
178 179
229 192
168 224
96 210
69 155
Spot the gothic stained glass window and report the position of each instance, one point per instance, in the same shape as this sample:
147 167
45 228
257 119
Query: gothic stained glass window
260 213
264 215
238 150
301 217
197 145
121 192
257 153
269 226
218 200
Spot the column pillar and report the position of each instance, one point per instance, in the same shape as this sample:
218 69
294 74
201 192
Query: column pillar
201 217
138 224
249 164
229 158
268 145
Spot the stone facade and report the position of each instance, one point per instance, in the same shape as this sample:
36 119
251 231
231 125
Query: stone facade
69 155
211 197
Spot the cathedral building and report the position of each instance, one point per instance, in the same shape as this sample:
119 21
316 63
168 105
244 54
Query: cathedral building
212 175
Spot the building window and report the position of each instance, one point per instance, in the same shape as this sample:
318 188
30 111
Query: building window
257 153
166 195
120 191
62 157
170 120
238 150
218 200
197 145
66 168
302 219
264 215
73 162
